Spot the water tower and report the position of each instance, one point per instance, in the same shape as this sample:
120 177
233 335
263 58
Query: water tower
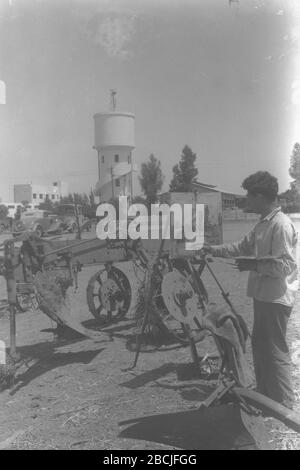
114 142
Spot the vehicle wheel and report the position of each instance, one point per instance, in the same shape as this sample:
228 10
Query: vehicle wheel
2 228
164 320
170 321
39 231
108 295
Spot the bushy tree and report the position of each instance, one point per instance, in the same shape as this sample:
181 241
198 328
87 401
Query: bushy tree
82 199
294 170
290 199
92 198
67 199
151 179
185 172
3 211
139 200
47 205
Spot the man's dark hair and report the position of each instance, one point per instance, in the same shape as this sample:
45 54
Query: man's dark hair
263 183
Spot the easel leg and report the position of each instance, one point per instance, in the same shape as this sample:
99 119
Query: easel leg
140 337
194 352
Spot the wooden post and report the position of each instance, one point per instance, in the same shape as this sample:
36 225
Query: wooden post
11 294
131 179
99 174
77 219
112 183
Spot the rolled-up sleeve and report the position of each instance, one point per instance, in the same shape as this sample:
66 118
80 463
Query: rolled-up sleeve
244 247
284 248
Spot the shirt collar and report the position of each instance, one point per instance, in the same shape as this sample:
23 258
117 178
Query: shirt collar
271 214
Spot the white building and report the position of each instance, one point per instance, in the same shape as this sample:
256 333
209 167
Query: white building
37 193
114 142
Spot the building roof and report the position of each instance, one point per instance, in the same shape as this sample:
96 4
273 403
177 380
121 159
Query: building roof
211 187
205 184
216 189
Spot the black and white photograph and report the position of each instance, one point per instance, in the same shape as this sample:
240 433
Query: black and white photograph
149 227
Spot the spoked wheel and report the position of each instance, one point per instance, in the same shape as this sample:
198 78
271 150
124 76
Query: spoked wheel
170 316
39 231
163 319
109 295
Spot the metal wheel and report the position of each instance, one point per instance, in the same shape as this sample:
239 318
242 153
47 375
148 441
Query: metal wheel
39 231
109 295
171 323
165 321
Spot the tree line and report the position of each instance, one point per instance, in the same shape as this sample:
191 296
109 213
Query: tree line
184 175
290 199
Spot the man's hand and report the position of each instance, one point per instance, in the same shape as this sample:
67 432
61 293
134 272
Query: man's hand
244 264
206 249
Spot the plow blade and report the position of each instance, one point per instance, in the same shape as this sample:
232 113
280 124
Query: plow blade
51 288
63 317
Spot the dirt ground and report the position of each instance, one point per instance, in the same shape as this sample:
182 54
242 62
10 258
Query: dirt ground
75 394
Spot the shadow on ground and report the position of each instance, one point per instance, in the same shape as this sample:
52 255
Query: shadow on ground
40 358
185 372
127 329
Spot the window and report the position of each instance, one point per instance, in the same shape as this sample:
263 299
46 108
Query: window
116 158
129 158
102 158
117 183
41 196
34 196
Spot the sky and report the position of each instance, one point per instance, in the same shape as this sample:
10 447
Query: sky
220 76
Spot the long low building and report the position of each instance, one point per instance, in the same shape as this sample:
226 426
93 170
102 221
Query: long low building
229 200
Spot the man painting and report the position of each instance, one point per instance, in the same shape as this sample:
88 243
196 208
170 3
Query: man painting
273 283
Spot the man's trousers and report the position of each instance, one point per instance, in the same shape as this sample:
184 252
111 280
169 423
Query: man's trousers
272 364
